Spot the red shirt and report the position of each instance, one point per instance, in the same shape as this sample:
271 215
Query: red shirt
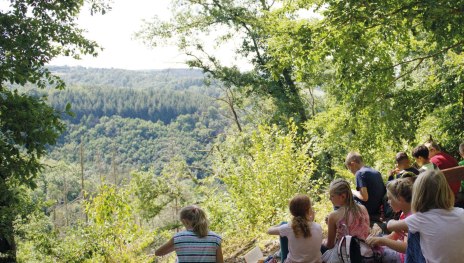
445 161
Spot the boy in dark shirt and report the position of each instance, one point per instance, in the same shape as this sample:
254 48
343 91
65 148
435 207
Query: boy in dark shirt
370 188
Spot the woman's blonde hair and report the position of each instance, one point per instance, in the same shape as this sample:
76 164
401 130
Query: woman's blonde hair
197 218
299 206
341 186
431 191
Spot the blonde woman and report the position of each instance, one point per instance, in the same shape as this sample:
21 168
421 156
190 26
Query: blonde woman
196 243
441 226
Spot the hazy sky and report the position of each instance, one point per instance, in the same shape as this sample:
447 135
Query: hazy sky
115 32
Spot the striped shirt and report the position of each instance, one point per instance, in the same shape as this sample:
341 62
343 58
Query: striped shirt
191 248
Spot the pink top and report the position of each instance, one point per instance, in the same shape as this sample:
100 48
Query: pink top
356 226
402 235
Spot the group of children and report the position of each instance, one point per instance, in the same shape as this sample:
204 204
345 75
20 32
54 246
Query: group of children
429 229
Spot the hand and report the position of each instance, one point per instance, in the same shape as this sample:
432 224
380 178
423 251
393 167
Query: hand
394 172
374 241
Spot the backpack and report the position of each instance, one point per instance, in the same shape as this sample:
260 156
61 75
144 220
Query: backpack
352 249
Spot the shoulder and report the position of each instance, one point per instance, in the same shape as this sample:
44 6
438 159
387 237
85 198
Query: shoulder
421 216
411 169
366 170
184 233
285 226
457 211
214 236
449 156
363 210
316 226
336 215
316 229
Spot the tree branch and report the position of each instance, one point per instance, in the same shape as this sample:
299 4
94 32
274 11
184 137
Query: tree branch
428 56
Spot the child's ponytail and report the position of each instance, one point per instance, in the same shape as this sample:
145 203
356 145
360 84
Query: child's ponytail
300 207
197 218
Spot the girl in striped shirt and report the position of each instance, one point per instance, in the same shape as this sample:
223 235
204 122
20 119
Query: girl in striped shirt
196 243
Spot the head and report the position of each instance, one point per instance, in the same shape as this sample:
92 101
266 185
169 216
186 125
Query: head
421 155
399 193
402 161
194 217
461 149
433 148
302 212
430 191
354 162
339 192
340 195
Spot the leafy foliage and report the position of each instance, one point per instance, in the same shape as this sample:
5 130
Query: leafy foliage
268 167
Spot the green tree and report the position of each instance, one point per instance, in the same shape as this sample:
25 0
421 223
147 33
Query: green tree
237 21
389 69
260 172
33 33
168 192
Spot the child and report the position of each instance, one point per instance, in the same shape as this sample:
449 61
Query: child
441 226
350 218
399 194
196 243
421 155
304 236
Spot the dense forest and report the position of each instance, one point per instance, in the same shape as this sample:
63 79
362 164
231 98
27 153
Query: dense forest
96 163
144 126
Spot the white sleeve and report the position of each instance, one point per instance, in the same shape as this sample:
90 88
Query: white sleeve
283 230
414 222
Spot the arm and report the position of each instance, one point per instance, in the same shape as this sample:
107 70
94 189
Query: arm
332 231
167 248
274 230
361 194
396 245
219 257
397 225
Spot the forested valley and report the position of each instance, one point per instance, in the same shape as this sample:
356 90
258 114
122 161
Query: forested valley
96 163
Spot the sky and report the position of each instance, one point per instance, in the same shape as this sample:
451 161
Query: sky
115 30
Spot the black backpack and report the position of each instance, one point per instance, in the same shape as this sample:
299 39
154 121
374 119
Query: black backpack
352 249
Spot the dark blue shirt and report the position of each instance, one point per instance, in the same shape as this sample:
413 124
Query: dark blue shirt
372 180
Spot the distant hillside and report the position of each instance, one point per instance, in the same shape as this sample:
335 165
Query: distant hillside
152 95
120 78
144 117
